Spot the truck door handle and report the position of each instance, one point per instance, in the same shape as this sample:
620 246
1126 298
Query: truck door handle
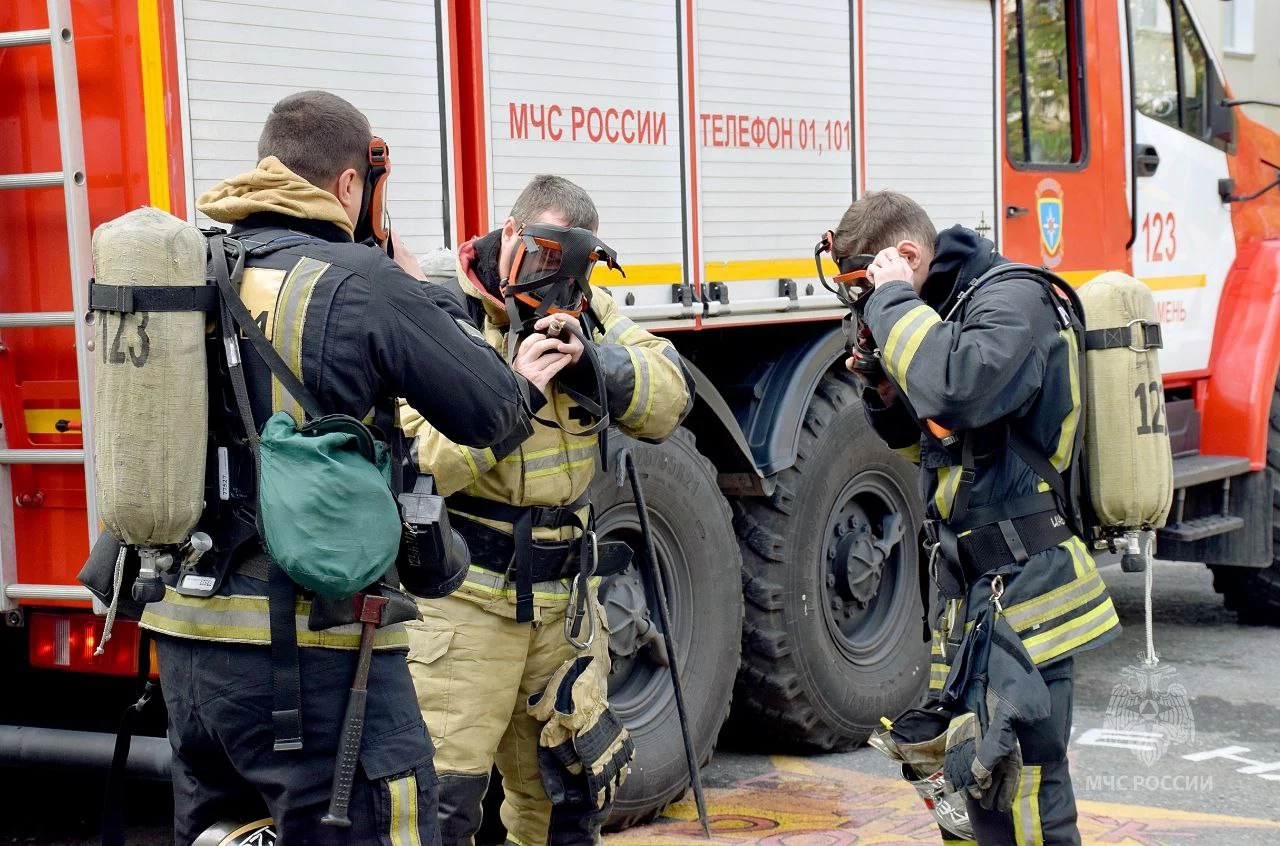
1016 211
1145 160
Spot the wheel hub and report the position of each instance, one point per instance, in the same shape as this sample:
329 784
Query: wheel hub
863 536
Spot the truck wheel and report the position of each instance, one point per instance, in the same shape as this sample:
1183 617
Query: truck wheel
832 638
1255 594
696 548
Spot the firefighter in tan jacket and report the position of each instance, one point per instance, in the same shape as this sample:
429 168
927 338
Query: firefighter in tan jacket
526 622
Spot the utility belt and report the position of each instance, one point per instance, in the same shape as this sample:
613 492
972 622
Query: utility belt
526 562
992 538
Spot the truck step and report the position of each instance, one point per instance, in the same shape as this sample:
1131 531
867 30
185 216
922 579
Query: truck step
1192 470
1199 528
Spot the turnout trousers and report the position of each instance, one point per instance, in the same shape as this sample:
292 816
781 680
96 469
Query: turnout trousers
219 698
474 671
1044 807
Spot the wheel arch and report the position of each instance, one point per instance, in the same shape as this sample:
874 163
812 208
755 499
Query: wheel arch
752 433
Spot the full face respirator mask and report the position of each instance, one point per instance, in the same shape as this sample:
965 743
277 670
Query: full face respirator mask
851 287
551 277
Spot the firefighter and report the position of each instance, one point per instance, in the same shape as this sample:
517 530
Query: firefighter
997 364
479 656
362 331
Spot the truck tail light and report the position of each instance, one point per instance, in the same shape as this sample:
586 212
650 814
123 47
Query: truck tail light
67 640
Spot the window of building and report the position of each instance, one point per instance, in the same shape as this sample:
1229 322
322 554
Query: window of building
1043 113
1237 26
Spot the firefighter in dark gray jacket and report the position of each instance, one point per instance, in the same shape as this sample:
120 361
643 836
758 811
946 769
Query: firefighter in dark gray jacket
1001 363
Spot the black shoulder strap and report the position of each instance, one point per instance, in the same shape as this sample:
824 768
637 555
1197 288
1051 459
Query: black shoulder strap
286 682
113 816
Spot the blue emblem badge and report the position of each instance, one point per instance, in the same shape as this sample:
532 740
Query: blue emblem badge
1050 211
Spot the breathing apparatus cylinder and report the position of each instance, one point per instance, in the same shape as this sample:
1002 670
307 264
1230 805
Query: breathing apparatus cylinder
151 398
1129 455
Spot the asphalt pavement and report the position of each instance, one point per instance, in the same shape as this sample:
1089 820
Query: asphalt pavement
1185 752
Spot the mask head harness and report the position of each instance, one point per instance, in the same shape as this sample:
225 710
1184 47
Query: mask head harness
852 287
373 225
851 283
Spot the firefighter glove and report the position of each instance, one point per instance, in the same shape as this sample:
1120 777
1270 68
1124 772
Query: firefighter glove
584 751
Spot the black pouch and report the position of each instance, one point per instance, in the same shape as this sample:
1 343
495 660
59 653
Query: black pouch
99 574
433 557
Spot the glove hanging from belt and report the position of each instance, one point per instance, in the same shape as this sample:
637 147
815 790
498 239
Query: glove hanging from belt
997 688
584 751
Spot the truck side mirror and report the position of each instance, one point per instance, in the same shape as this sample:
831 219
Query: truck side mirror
1222 118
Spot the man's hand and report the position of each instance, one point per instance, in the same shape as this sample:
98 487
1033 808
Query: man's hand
885 387
540 359
553 326
403 257
889 266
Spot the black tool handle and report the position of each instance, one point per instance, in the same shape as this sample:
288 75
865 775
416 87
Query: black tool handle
348 757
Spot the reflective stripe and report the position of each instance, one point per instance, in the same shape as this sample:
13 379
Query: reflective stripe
561 459
404 811
948 485
1026 811
287 324
1055 603
497 585
910 453
245 619
560 468
911 346
909 321
641 399
469 329
1080 558
1061 457
479 461
938 675
1074 633
616 330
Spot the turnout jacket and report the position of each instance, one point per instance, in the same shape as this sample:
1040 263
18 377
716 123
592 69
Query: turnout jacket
649 393
359 332
1000 362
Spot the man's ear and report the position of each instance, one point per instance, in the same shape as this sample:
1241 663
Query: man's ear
911 251
347 185
507 248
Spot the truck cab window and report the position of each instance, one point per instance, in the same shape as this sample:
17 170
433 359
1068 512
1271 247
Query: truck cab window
1042 83
1155 67
1193 70
1173 80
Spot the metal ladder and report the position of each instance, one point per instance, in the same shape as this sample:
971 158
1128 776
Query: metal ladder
58 37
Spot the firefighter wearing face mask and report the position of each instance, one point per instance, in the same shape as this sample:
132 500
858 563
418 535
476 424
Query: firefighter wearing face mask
511 669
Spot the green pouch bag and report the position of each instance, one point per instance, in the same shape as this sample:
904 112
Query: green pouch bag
324 499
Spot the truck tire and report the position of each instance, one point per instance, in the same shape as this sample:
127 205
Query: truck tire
832 639
695 545
1254 595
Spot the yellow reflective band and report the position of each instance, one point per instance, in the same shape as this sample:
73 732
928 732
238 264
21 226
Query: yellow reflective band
466 456
246 619
910 453
948 485
404 811
286 327
1067 434
560 468
1026 816
1073 634
1080 558
1056 603
912 345
901 326
641 404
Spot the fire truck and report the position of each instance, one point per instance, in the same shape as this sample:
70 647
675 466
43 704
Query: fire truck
719 139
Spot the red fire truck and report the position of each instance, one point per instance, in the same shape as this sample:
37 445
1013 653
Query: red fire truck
719 138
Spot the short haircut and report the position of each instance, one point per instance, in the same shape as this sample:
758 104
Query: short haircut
879 220
317 135
549 193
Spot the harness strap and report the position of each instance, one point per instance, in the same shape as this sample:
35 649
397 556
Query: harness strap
127 299
113 820
1150 338
522 518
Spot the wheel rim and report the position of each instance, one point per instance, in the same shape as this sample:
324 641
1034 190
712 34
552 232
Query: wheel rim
639 686
866 557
